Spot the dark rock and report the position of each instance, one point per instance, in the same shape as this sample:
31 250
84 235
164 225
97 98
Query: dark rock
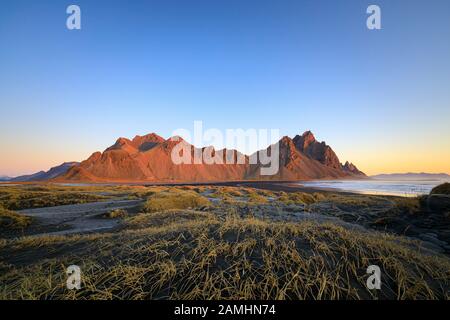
438 202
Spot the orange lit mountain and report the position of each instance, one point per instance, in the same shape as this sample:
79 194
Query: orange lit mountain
148 158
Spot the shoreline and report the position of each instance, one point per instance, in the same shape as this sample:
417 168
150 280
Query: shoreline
280 186
275 185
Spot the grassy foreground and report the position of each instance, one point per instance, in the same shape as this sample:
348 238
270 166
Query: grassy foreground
183 245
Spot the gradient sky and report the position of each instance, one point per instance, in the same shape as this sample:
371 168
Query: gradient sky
380 98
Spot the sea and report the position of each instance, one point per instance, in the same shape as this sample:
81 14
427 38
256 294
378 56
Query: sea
376 187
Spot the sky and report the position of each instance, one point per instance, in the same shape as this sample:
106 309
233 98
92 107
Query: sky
380 98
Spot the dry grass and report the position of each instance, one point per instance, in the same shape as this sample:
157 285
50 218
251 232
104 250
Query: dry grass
26 197
12 220
39 196
175 199
406 205
224 192
116 213
256 198
186 254
298 198
235 195
350 200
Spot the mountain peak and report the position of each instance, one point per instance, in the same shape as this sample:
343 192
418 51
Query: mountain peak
304 141
139 143
286 140
309 135
350 167
147 142
122 141
151 137
319 151
176 138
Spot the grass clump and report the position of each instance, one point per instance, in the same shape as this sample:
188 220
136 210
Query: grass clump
12 220
256 198
441 189
297 198
226 193
116 213
175 199
406 205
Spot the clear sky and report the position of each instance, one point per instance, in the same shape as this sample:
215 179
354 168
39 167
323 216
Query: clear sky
380 98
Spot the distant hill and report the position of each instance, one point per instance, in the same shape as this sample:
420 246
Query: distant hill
148 158
413 176
46 175
5 178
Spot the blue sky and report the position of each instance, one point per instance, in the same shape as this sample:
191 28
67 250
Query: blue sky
380 98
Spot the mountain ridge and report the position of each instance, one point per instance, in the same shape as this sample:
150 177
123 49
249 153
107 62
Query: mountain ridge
45 175
148 158
411 176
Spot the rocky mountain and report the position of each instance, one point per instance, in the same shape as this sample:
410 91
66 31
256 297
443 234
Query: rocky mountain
296 164
46 175
350 167
319 151
148 158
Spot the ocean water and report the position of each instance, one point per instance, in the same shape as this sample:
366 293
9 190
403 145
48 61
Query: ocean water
380 187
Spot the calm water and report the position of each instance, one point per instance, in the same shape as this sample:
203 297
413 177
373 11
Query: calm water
382 187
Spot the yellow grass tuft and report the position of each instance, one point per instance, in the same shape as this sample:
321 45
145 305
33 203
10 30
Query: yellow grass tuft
175 199
12 220
116 213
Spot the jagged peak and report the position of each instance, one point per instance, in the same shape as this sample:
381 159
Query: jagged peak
176 139
308 134
286 140
120 144
304 141
151 137
122 140
350 167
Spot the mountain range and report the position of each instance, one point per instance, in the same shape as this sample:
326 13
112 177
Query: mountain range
148 159
410 176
